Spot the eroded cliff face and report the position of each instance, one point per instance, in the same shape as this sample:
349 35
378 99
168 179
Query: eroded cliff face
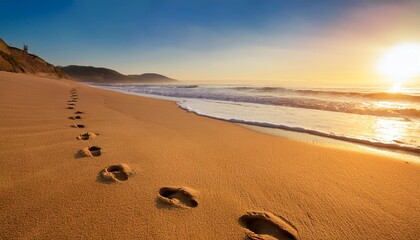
16 60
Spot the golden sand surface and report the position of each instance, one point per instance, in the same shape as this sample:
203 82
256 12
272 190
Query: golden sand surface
142 168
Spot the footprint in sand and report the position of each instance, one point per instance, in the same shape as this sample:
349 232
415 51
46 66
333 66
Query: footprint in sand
75 117
78 112
87 136
70 107
265 225
78 126
71 104
178 196
93 151
116 173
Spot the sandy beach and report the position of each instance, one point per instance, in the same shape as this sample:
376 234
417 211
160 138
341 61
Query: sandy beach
182 176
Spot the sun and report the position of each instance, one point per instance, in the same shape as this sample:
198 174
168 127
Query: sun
400 63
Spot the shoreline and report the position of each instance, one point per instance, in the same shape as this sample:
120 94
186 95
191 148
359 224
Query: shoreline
307 136
336 143
181 175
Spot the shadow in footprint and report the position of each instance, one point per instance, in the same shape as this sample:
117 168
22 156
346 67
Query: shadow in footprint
178 196
87 136
115 173
93 151
78 112
78 126
79 154
265 225
75 117
70 107
71 104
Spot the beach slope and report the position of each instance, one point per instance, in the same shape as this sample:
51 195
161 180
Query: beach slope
158 172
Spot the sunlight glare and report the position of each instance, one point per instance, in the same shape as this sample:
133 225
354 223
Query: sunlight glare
396 87
400 63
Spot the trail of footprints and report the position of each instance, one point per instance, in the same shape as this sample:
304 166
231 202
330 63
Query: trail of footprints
257 225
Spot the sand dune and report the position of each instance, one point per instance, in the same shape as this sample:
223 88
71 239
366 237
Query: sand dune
233 181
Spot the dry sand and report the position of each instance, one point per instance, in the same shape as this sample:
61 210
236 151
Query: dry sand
240 178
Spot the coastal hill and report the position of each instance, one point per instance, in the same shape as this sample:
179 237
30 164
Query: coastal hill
21 61
105 75
151 78
93 74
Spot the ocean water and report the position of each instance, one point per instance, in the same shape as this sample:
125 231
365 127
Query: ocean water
368 116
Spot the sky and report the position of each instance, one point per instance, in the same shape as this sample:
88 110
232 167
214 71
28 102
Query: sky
320 41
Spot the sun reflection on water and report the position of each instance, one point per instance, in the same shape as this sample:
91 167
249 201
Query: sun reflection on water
391 105
396 88
389 130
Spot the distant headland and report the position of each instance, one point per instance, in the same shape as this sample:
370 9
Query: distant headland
17 60
105 75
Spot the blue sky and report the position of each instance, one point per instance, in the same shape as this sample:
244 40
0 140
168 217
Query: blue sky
190 39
